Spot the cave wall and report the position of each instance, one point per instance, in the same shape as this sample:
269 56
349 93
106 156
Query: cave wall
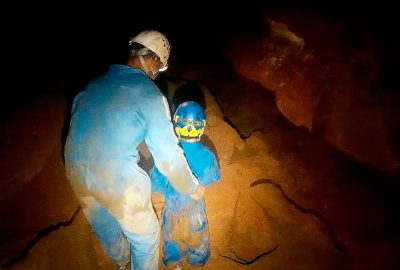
326 77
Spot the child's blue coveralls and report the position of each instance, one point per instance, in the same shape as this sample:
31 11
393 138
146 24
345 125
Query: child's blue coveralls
184 226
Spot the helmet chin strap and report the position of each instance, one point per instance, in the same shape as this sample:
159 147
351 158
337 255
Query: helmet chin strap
149 73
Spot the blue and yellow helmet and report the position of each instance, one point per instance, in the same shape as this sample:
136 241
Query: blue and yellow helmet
190 120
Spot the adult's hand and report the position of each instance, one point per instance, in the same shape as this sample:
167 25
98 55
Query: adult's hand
198 194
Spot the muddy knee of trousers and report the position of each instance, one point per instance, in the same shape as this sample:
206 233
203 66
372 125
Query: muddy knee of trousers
138 215
141 220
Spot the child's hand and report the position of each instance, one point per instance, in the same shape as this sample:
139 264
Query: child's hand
198 194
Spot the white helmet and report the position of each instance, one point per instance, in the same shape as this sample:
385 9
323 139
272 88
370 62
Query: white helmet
156 42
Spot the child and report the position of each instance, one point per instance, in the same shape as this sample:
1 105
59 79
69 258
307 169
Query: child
184 226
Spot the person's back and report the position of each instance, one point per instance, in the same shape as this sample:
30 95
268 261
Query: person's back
182 215
109 120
